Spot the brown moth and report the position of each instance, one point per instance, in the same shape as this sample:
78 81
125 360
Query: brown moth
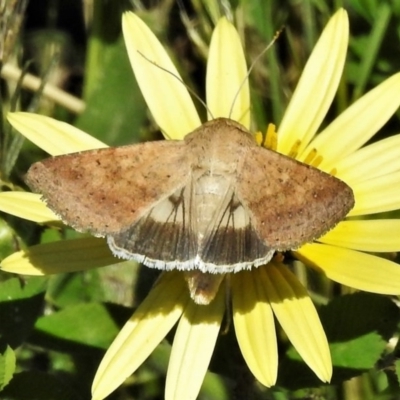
212 204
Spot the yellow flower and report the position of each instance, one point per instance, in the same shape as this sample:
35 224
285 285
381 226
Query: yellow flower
263 292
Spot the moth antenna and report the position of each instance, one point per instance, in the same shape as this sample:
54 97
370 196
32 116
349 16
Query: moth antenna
274 39
196 96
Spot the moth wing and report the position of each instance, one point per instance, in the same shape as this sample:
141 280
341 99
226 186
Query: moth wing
164 237
231 242
290 203
106 190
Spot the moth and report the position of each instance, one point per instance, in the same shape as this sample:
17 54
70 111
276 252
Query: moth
211 204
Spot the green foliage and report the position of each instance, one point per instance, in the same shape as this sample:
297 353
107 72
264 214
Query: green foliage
75 324
20 305
109 114
7 366
357 338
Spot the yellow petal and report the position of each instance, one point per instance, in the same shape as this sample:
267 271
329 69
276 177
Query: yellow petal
254 325
376 195
26 205
378 159
357 124
353 268
380 235
59 257
54 137
298 317
317 85
192 349
153 319
161 85
228 93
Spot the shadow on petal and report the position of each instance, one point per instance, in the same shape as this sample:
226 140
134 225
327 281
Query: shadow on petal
59 257
254 325
153 319
298 317
193 347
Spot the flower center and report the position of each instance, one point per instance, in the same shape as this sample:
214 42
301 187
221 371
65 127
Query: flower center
270 141
313 158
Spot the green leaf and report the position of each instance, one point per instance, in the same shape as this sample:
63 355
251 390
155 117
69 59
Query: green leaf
115 283
115 109
358 327
74 288
17 289
89 324
397 368
369 58
8 240
7 366
20 305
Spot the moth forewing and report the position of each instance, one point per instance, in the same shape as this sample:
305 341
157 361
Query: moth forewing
290 203
105 191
